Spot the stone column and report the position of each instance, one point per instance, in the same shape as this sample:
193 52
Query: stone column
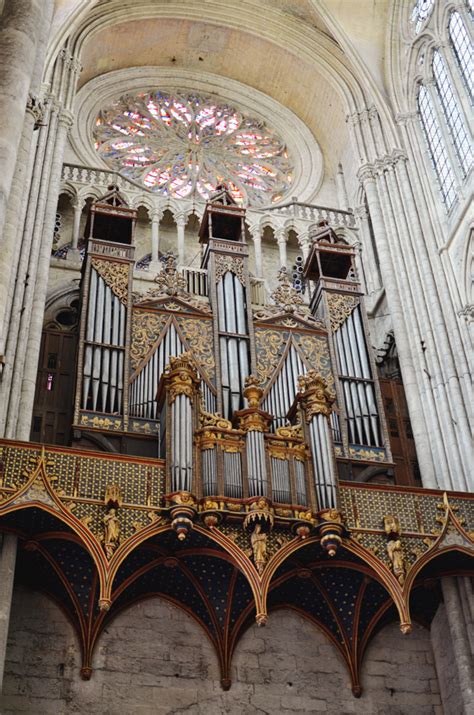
27 316
256 233
20 32
180 225
371 270
367 178
28 378
78 204
342 199
459 627
155 218
281 239
305 244
15 215
7 576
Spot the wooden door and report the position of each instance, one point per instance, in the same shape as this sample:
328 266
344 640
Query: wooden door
53 409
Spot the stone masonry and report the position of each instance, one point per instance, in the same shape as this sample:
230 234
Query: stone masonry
153 659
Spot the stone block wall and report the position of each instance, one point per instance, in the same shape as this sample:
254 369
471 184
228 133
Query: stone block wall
153 659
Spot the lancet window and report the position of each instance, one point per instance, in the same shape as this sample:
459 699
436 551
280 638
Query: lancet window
436 145
462 49
452 112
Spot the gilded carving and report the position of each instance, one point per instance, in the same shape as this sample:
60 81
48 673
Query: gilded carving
269 344
316 351
106 423
115 276
253 392
395 554
224 264
181 377
371 455
199 338
111 532
316 396
146 329
258 541
169 281
288 301
340 306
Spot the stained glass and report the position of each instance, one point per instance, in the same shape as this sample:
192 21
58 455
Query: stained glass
183 144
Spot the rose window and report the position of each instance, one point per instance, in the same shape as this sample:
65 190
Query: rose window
182 144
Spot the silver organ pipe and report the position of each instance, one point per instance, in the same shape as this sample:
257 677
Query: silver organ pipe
281 480
300 480
357 383
144 384
324 475
181 444
256 466
102 387
282 393
233 341
209 471
233 486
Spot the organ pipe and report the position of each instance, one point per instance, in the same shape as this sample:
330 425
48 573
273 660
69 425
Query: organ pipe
179 390
357 382
317 403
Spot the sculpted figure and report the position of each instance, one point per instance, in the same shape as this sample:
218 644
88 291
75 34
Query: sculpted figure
259 547
394 550
111 532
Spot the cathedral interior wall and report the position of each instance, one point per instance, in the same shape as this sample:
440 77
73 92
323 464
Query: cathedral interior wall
154 659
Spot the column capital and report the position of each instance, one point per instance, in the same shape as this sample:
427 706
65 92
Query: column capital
361 212
366 174
181 219
155 214
255 231
78 203
35 107
280 234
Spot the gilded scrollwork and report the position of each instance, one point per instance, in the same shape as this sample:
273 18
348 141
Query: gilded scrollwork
269 347
316 351
340 306
115 276
199 338
287 304
234 264
146 329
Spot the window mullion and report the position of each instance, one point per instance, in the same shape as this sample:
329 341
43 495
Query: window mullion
459 86
447 138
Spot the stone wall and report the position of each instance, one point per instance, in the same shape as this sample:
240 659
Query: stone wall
154 659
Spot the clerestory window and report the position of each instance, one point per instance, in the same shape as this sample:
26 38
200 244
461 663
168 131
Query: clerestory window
436 146
462 49
452 112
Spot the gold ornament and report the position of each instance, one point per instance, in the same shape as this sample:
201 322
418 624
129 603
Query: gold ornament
115 276
340 306
316 396
181 377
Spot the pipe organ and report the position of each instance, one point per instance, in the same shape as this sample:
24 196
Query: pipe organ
337 299
225 256
242 401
